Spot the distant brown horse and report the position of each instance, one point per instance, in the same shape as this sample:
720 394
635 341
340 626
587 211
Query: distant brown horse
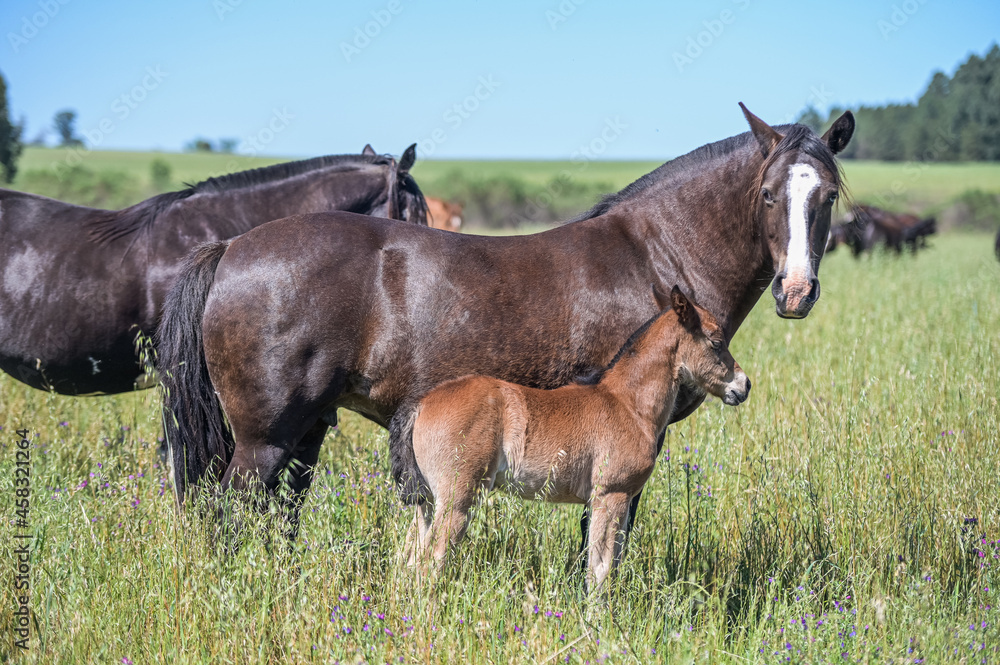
78 285
589 444
996 247
444 215
264 337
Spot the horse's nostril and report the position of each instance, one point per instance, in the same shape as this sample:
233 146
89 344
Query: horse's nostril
813 289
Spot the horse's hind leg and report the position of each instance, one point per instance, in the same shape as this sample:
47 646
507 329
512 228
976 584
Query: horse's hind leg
451 520
454 500
584 530
301 468
256 471
423 516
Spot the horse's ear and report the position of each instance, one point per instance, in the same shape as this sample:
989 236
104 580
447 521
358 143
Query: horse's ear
686 313
766 135
408 159
840 133
369 151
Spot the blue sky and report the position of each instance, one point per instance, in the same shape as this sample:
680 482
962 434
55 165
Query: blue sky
512 79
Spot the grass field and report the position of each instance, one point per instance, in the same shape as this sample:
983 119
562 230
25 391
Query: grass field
897 185
848 512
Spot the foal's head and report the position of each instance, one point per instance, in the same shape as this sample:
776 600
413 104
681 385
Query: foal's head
793 196
703 356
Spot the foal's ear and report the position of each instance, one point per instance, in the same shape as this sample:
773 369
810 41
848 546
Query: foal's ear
369 151
840 133
684 308
766 135
408 159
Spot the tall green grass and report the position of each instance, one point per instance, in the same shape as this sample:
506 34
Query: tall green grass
848 512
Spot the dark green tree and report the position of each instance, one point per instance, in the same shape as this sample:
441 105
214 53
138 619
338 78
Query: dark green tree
199 145
65 126
10 137
955 118
811 118
159 172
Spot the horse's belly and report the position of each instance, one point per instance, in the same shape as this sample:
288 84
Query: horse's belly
537 482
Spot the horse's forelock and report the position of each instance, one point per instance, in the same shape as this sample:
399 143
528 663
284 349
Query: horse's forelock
797 138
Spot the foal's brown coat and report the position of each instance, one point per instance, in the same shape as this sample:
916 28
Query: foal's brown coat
580 443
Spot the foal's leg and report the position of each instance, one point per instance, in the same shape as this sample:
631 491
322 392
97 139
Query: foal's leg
415 549
632 509
608 519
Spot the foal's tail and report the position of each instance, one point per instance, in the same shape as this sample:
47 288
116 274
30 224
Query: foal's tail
405 472
199 440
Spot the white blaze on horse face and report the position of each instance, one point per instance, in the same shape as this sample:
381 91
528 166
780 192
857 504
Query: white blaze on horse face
802 180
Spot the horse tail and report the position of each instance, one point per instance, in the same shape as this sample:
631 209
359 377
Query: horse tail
413 488
194 425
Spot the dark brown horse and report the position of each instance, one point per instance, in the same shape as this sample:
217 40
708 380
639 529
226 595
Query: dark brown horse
996 247
78 284
865 227
278 328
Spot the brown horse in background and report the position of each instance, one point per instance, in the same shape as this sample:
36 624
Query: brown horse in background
444 215
589 444
271 333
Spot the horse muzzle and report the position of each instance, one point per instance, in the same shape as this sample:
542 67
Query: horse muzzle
737 391
795 293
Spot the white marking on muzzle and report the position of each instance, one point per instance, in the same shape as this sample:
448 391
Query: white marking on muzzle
802 180
737 387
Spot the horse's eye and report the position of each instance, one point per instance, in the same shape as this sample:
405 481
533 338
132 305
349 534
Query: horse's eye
717 345
833 197
766 194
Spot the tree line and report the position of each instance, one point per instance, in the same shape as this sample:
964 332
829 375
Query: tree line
956 118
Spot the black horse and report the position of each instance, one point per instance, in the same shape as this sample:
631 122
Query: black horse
78 284
278 328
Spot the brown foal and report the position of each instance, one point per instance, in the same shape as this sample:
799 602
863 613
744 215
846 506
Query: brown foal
592 442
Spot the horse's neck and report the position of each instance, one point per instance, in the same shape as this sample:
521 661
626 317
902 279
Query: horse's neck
50 206
254 205
646 379
703 236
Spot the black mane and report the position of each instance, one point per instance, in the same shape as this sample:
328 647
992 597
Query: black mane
796 137
115 224
284 170
594 376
